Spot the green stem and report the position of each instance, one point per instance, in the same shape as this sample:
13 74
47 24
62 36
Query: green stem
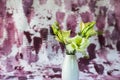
72 53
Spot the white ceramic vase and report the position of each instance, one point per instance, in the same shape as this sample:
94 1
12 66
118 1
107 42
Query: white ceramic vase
70 69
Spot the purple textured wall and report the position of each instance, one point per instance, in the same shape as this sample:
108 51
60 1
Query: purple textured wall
28 50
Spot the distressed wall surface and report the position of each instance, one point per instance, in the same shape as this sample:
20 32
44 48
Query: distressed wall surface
28 50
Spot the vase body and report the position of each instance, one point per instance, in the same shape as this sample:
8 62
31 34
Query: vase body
70 69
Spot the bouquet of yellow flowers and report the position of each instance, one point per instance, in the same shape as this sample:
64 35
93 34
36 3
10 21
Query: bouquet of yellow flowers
77 43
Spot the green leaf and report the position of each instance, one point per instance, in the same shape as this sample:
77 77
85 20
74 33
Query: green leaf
58 39
70 48
77 39
65 35
86 27
82 26
55 28
60 35
90 33
84 43
90 23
